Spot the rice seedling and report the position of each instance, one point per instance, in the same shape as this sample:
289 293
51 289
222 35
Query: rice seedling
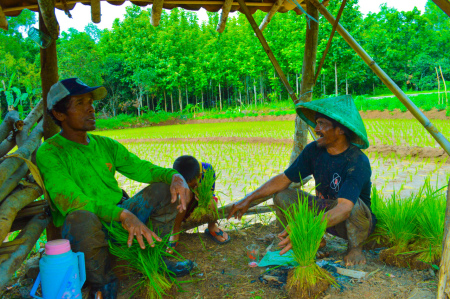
306 229
204 193
156 280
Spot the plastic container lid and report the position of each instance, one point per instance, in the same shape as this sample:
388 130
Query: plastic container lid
56 247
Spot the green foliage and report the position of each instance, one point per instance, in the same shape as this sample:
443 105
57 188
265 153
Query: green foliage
156 279
306 228
204 193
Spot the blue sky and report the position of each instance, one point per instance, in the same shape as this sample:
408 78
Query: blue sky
82 13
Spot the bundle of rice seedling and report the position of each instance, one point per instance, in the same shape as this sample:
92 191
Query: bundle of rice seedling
156 280
430 227
379 237
306 229
204 193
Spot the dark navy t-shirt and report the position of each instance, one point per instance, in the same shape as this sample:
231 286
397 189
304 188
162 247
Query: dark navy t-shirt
346 175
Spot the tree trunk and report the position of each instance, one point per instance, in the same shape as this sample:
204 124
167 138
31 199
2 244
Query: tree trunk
439 87
324 85
148 105
254 90
296 82
240 98
346 84
171 100
261 87
220 97
445 87
336 80
179 99
307 84
203 106
187 99
165 100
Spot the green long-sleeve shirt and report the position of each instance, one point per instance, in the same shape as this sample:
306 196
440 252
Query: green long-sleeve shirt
81 177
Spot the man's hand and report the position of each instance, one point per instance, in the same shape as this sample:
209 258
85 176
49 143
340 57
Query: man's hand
135 227
239 209
179 188
285 241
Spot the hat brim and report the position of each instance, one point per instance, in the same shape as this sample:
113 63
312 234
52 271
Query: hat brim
98 92
309 116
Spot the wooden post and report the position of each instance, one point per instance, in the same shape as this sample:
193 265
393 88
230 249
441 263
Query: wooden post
269 53
444 143
444 5
439 86
49 76
3 21
308 79
224 15
273 10
95 11
444 267
157 8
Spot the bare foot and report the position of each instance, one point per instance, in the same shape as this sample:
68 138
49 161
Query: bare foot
355 257
213 227
323 243
173 242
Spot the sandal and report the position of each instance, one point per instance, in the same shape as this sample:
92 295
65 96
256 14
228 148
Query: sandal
212 235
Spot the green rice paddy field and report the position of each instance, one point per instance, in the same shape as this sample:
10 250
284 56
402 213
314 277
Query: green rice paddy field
245 163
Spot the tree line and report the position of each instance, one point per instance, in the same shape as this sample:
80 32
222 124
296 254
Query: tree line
184 63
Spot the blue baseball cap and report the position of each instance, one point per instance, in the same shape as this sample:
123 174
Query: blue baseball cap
72 87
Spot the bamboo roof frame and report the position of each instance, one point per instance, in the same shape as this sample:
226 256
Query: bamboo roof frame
49 75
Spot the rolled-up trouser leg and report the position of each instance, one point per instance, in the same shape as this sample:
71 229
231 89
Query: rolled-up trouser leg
84 231
357 228
152 205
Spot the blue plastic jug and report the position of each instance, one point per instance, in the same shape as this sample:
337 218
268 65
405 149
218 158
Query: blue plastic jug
62 272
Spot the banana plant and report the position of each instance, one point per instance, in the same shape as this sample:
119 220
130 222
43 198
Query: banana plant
12 101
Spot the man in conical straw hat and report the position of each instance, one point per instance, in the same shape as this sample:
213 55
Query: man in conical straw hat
341 171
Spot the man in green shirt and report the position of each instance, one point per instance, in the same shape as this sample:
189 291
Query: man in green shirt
78 170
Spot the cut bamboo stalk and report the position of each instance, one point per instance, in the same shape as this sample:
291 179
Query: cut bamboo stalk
273 10
224 15
29 121
444 5
95 11
13 204
30 234
12 182
8 167
157 8
444 267
8 122
443 142
47 9
445 85
3 21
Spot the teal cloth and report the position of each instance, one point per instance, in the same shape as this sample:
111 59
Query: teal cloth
273 258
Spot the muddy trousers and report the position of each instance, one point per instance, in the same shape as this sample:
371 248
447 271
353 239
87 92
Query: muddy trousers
86 233
356 229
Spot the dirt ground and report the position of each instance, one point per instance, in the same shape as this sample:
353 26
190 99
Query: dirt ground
222 271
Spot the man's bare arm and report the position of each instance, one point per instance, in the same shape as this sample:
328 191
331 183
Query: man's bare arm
274 185
339 213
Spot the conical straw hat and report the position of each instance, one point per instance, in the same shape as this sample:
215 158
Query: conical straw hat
343 110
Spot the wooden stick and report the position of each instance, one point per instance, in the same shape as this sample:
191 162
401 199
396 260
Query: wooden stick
13 204
3 21
8 167
6 146
333 30
445 86
7 124
439 86
273 10
31 119
47 9
444 143
157 8
30 234
444 267
12 182
444 5
224 15
95 11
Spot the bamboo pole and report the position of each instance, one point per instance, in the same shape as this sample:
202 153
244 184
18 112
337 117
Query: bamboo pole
386 80
273 10
3 21
439 86
224 15
308 81
157 8
96 15
445 86
444 267
272 58
30 234
444 5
